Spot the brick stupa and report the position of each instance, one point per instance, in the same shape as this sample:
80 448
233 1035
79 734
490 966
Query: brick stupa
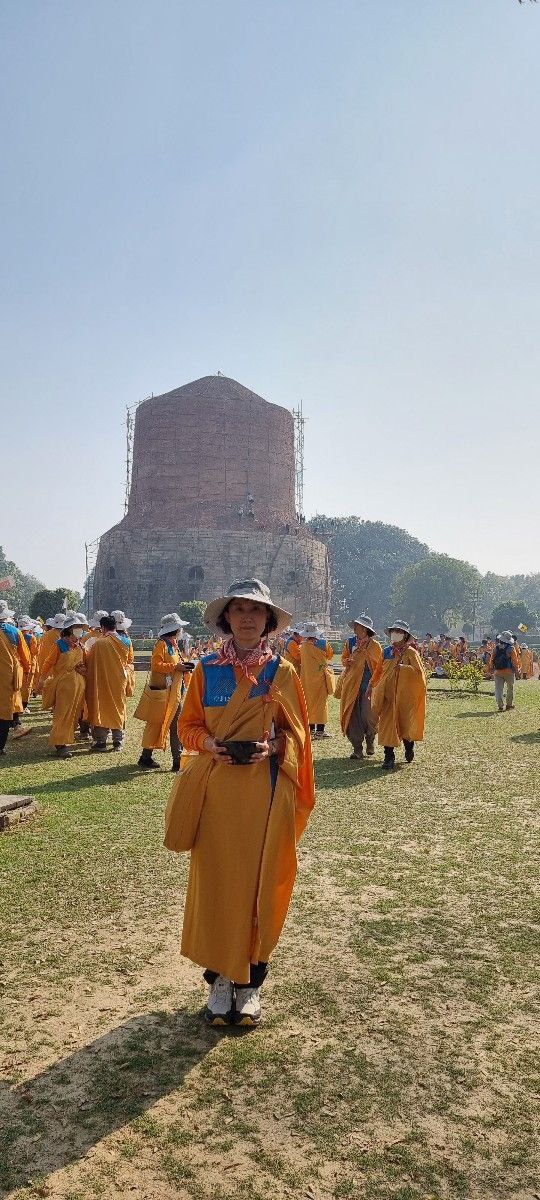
212 500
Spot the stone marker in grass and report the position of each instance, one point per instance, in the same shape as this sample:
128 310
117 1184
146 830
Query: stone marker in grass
14 809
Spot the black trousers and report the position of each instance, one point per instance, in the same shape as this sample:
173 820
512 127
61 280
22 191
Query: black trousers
5 727
257 975
174 740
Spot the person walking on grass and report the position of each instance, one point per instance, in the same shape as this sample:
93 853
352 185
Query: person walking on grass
161 701
241 802
63 688
316 677
15 660
361 655
108 663
504 665
398 695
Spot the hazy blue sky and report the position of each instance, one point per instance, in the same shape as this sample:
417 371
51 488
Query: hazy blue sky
337 200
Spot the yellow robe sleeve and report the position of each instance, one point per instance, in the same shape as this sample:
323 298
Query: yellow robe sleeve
345 653
51 660
162 663
192 729
23 653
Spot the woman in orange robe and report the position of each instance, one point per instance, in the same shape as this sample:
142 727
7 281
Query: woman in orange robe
161 701
109 662
242 801
398 695
317 680
64 670
361 656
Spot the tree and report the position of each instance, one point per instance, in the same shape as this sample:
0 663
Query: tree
436 592
193 611
46 603
19 594
512 614
365 557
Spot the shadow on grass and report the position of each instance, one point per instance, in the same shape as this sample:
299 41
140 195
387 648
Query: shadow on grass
529 739
83 1098
76 783
479 712
340 773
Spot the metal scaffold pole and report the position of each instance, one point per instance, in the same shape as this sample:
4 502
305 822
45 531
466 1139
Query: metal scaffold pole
299 422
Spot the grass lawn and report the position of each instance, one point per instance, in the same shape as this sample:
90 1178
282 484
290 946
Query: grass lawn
397 1055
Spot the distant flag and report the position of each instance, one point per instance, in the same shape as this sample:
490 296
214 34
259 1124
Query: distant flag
523 628
7 583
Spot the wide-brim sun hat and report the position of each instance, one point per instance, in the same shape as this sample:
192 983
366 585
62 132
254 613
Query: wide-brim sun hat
398 627
73 619
26 623
6 613
169 623
58 620
312 630
122 622
246 589
506 636
96 617
362 620
49 623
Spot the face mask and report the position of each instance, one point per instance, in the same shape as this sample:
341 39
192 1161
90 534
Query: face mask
77 633
396 637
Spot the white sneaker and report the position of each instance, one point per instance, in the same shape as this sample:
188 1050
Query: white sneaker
248 1006
219 1005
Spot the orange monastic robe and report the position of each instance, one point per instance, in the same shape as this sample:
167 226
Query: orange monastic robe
399 697
108 670
11 671
241 823
527 664
316 679
367 656
66 695
160 700
291 653
28 680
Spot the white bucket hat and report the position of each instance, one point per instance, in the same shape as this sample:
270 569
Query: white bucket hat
170 623
312 630
247 589
96 617
72 619
58 620
123 623
26 623
49 623
362 620
506 637
6 613
399 626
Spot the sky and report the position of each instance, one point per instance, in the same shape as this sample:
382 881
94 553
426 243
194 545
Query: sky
336 201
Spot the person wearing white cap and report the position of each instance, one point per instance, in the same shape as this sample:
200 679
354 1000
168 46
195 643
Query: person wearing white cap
291 650
63 673
398 695
361 656
27 628
242 801
315 676
123 625
161 701
109 669
527 662
504 665
14 661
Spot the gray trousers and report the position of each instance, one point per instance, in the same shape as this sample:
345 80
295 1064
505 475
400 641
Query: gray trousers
363 724
100 735
500 681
